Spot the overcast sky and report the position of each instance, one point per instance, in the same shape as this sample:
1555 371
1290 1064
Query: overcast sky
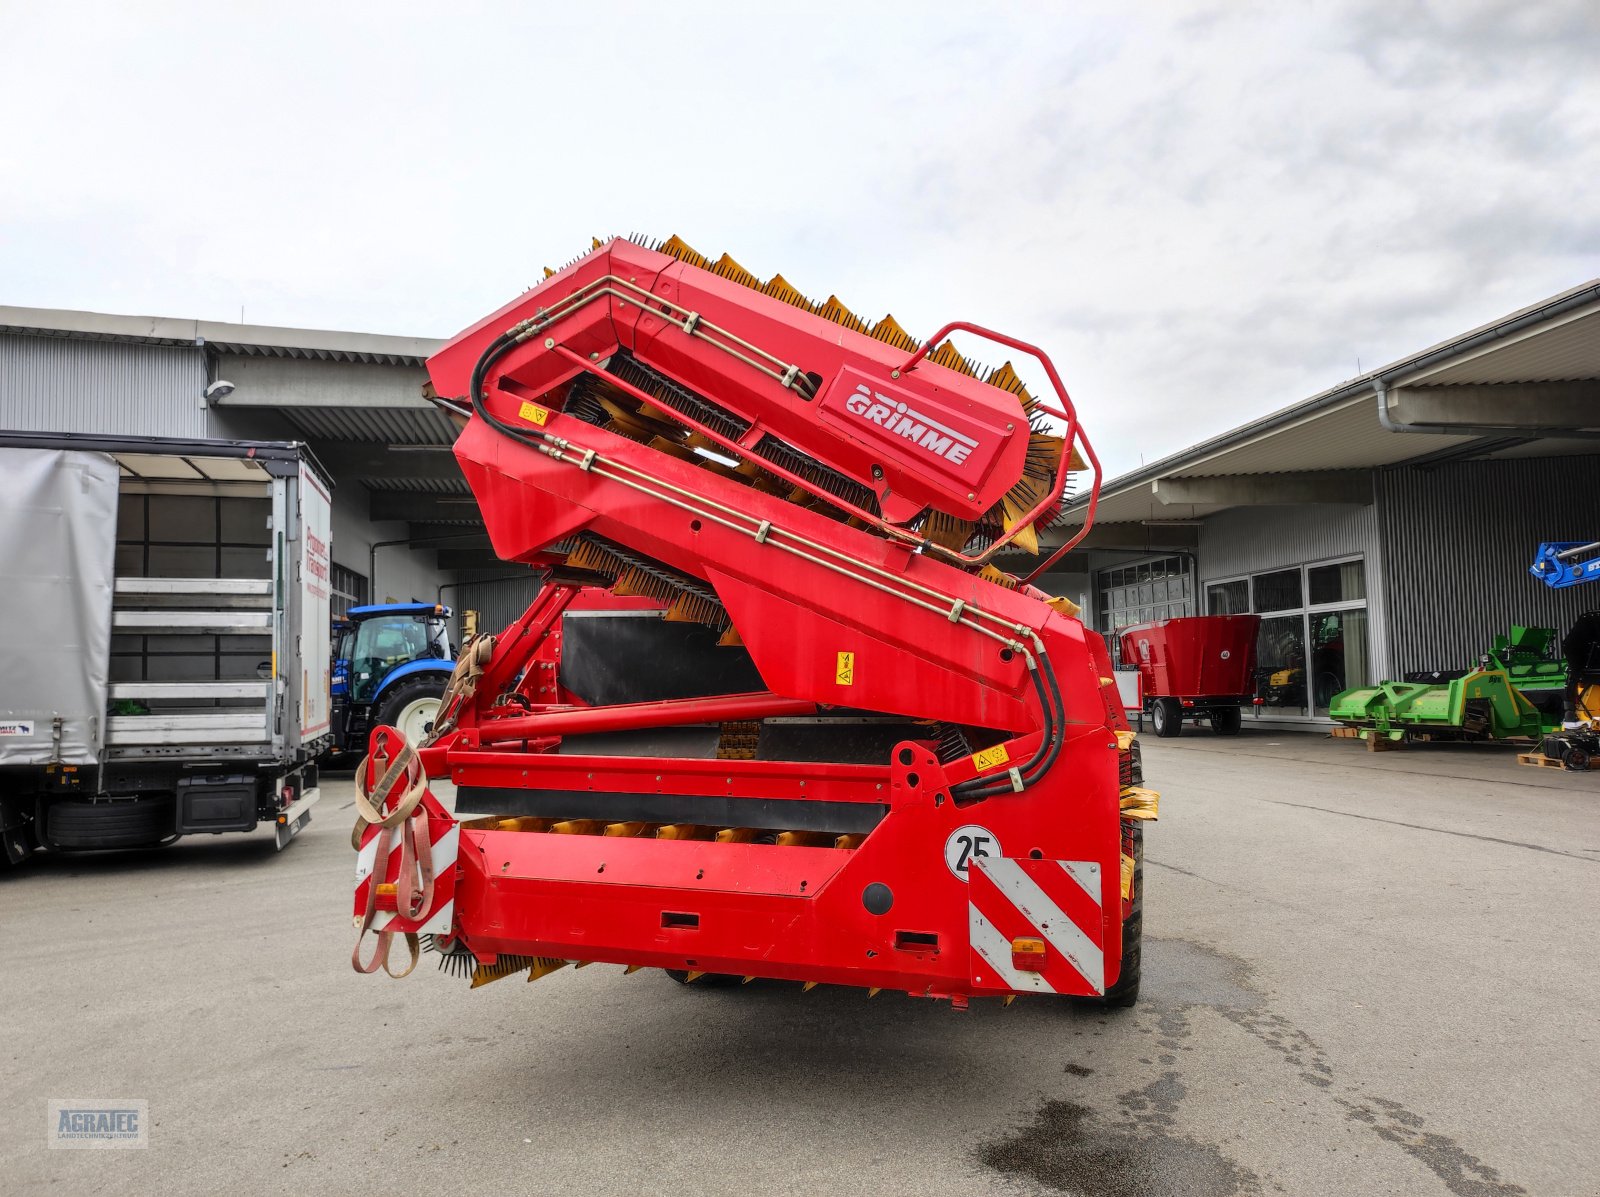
1204 211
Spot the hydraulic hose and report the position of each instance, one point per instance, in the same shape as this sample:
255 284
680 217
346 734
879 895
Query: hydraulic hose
1044 757
972 790
497 349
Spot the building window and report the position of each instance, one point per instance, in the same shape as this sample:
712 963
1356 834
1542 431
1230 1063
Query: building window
1228 598
1342 583
349 590
1314 639
1278 591
1161 588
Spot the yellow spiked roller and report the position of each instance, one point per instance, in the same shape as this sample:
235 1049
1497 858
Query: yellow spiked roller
577 827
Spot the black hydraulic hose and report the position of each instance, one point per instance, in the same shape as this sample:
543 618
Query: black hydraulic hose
1043 756
497 349
1050 747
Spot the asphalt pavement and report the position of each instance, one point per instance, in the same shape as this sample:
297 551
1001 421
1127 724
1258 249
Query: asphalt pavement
1364 974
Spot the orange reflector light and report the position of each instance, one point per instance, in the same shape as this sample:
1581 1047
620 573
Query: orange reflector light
1027 955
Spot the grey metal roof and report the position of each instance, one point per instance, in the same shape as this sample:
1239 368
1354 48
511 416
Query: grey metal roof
1557 339
418 486
248 339
384 425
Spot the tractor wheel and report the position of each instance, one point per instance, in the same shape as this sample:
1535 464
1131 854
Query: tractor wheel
1576 758
1126 991
1226 721
1166 716
709 980
412 707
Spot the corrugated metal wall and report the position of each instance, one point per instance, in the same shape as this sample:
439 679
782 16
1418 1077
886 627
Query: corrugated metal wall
1459 538
497 603
59 384
1250 540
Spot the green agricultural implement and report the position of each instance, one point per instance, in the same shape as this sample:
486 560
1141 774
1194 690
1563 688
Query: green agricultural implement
1513 693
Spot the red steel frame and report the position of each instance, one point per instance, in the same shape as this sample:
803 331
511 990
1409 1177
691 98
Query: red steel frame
925 639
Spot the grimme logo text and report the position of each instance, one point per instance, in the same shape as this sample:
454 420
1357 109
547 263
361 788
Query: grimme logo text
920 430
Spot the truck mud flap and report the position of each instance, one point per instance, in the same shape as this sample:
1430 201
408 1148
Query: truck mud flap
293 821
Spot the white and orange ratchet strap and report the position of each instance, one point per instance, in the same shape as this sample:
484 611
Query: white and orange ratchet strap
393 805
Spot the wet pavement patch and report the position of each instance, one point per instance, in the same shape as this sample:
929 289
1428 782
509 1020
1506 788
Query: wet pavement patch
1073 1148
1464 1174
1068 1149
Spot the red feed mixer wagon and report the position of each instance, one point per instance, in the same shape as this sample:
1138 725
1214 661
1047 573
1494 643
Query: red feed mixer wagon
1194 667
776 711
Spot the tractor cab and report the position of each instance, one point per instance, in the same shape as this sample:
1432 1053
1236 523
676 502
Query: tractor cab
391 663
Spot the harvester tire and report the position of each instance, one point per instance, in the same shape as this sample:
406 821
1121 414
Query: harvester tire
1226 721
1126 991
708 980
1166 716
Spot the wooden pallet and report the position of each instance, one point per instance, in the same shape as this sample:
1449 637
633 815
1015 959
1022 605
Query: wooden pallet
1540 761
1377 741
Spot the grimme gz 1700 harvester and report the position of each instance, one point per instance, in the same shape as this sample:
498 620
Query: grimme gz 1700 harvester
775 712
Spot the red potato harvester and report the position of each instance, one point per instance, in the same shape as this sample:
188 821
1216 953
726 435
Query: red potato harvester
776 711
1194 667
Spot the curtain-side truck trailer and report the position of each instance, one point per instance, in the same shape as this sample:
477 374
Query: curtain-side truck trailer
164 628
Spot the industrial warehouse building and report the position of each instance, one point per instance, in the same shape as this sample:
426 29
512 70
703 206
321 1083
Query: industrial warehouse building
404 522
1381 527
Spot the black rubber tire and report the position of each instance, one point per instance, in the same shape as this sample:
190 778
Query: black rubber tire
143 822
429 685
1166 717
709 981
1576 759
1126 991
1226 721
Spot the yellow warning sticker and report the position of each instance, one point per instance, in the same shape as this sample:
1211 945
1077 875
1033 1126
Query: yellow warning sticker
845 670
990 757
534 414
1127 876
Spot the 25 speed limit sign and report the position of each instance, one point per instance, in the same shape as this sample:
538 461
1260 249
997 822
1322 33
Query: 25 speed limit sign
967 843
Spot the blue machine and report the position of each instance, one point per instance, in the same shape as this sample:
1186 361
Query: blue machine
1560 564
1557 563
391 662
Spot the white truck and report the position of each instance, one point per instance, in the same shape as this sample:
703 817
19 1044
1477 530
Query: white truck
164 627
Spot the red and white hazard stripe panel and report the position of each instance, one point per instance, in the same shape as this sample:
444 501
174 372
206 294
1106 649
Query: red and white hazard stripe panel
1057 901
444 834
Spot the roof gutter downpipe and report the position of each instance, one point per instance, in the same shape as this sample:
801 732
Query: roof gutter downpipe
413 542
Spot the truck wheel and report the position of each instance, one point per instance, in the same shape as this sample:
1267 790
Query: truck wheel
142 823
709 980
1226 721
1126 991
1166 716
412 707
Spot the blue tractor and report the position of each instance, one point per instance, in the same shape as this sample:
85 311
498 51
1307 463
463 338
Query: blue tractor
391 662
